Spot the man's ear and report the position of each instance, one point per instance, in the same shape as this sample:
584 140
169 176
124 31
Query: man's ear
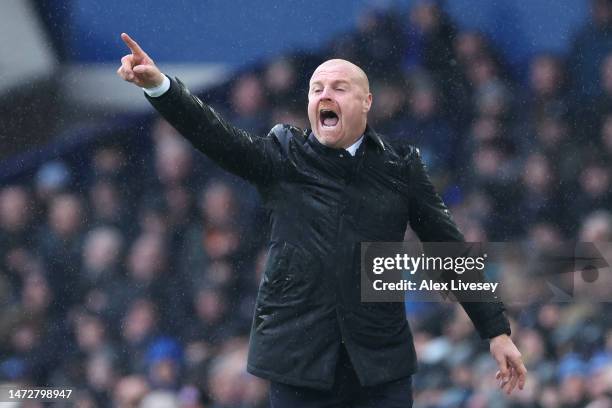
367 103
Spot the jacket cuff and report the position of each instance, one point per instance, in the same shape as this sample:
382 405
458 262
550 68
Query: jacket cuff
159 90
494 328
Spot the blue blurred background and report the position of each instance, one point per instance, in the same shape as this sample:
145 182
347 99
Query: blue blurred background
244 32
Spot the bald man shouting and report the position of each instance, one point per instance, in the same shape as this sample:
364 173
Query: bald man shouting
327 189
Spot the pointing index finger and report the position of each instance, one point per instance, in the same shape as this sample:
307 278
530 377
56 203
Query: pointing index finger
132 45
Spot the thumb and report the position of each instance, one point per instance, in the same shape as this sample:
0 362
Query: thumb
148 75
146 70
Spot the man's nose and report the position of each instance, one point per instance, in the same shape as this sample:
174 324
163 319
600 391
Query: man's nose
325 94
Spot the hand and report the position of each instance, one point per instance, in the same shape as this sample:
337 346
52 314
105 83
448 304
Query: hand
511 367
137 67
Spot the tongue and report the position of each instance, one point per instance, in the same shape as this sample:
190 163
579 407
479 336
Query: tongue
330 121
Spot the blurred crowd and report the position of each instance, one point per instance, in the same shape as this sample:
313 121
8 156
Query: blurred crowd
133 282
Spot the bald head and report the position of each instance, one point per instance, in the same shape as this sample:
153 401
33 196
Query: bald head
353 72
339 100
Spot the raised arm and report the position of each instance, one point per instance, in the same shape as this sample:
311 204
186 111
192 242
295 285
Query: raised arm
257 159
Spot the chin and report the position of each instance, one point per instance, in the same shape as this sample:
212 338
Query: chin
330 141
329 137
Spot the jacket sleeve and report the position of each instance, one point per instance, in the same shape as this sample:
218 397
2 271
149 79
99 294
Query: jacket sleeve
432 222
251 157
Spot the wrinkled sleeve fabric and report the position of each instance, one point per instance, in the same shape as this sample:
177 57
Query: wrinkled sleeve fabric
254 158
432 222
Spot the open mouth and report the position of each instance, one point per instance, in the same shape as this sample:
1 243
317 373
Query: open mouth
328 118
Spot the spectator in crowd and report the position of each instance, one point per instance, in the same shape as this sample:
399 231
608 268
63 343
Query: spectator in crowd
589 49
51 178
107 207
59 245
281 83
149 275
594 190
378 42
597 227
129 391
546 95
16 215
429 129
539 198
429 35
248 104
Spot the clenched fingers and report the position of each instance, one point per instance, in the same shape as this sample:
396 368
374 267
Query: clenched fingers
125 70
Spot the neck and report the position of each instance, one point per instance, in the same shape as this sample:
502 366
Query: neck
355 138
351 142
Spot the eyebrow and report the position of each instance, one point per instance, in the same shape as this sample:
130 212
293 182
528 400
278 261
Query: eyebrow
335 82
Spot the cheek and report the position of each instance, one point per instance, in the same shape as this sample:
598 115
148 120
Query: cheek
311 108
354 106
351 112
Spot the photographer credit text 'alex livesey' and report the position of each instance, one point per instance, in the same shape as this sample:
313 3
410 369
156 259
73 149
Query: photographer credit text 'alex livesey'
517 273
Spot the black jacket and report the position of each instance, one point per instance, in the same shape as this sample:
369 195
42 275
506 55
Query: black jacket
323 203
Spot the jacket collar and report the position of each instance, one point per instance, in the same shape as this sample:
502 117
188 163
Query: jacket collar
372 135
369 135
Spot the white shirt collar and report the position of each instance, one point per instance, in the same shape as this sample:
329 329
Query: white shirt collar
352 149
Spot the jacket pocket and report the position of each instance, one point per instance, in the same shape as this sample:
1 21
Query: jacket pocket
287 279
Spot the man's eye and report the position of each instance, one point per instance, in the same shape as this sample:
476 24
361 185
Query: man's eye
340 89
316 90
